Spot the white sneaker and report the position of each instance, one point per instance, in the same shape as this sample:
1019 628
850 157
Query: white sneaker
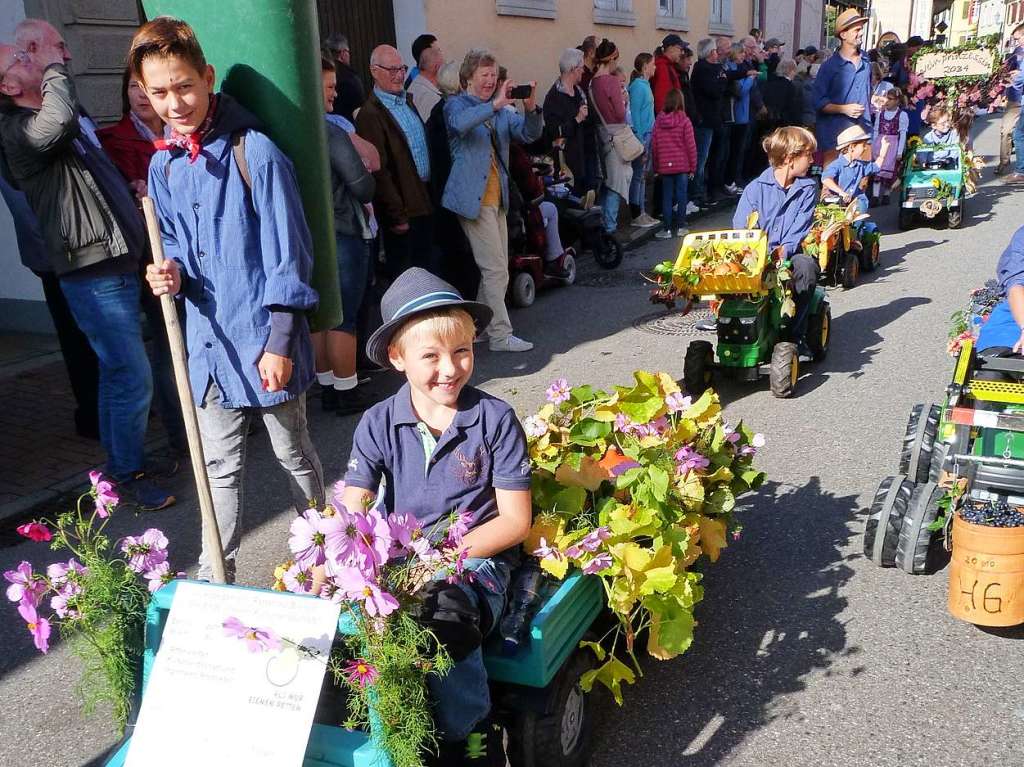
510 344
645 222
732 189
692 208
682 231
663 234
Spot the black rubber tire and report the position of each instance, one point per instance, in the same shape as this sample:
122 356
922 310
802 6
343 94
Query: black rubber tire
850 270
819 333
781 371
870 256
894 505
523 289
906 218
608 251
919 442
535 740
919 551
957 214
569 263
697 367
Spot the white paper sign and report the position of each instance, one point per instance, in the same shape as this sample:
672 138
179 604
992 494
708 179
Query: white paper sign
211 702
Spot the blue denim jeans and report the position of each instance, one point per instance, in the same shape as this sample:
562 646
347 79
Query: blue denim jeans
1018 142
638 184
673 195
354 277
107 311
461 697
610 206
703 136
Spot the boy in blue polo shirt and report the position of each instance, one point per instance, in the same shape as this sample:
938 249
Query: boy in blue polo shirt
441 445
850 173
784 199
240 254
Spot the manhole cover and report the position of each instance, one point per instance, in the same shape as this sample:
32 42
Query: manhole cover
611 279
672 323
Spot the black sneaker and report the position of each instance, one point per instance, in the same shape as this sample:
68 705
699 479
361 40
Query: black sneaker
160 466
328 398
557 268
355 400
144 494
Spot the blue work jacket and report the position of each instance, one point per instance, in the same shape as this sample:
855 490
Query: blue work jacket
246 257
469 137
840 81
785 214
848 176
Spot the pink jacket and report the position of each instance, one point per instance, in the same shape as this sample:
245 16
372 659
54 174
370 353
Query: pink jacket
673 149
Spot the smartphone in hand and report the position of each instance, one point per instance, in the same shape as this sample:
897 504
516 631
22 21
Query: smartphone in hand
521 92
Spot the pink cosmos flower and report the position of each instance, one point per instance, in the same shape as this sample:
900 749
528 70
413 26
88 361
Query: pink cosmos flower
37 626
337 491
598 564
592 542
375 537
145 551
544 551
59 573
457 528
103 492
35 531
558 392
308 537
457 572
298 579
405 531
677 403
63 601
358 587
25 586
342 538
256 639
688 459
160 576
360 672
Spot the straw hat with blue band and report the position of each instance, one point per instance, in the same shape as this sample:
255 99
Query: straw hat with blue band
414 292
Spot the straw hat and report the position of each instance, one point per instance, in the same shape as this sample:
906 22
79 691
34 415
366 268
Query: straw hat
850 135
848 19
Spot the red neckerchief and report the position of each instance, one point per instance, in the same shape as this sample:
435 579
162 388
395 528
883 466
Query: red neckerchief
192 142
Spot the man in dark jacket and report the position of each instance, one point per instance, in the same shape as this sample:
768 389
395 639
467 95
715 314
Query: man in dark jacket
351 93
93 236
391 123
709 90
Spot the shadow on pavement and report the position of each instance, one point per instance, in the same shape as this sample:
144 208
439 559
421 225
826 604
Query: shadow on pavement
766 625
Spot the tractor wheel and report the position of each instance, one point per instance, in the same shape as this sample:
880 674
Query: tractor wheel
697 367
906 219
608 251
885 520
956 215
870 256
562 738
919 551
850 270
819 333
919 442
524 290
784 369
569 263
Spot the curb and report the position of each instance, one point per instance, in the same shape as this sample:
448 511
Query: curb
644 236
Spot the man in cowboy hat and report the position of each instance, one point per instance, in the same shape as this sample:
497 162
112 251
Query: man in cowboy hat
842 89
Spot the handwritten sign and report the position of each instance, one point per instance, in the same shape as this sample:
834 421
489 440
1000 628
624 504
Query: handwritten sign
211 700
939 64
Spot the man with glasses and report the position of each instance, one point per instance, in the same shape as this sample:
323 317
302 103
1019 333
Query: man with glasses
390 122
350 92
93 234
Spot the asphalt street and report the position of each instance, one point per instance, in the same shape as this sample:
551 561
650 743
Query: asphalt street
805 652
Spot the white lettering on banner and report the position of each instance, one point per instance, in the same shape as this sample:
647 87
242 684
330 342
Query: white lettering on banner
212 701
939 64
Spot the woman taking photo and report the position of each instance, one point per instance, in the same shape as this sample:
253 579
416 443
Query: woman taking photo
609 101
480 130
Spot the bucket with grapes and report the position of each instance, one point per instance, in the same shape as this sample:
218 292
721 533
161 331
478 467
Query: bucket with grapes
986 574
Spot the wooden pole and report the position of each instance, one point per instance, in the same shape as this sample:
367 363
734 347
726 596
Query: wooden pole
211 533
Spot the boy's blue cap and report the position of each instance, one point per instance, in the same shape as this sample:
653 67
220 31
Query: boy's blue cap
415 291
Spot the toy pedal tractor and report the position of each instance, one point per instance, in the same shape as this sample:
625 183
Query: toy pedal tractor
934 180
843 241
754 313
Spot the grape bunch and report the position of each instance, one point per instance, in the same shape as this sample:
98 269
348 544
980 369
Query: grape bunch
984 299
992 514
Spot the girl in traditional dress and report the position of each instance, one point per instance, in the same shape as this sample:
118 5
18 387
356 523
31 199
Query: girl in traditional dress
891 125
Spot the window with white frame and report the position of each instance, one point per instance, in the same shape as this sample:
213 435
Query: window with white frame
672 15
720 18
538 9
618 12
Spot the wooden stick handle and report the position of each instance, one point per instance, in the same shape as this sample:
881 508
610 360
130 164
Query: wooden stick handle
211 533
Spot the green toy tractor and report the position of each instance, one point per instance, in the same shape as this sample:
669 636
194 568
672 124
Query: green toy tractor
754 312
934 181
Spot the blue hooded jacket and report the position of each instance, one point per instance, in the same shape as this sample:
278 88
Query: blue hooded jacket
246 257
785 214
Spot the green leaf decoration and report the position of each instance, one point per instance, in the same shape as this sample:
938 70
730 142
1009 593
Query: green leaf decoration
611 674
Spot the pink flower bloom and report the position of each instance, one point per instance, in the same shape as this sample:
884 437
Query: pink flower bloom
558 392
37 626
59 573
342 539
25 586
535 427
298 579
256 639
457 572
145 551
677 403
35 531
103 492
688 459
737 533
309 537
358 587
160 576
375 535
405 531
457 528
598 564
544 551
336 494
360 672
592 542
63 601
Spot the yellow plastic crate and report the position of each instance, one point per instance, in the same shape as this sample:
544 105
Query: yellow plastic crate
725 284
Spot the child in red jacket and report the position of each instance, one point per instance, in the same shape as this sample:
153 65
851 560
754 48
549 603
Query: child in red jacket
674 158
